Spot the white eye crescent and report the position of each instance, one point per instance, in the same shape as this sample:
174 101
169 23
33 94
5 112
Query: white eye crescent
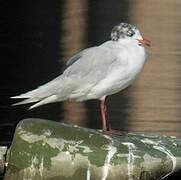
130 33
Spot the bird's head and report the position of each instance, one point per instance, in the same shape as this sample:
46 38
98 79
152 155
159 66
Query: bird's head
128 31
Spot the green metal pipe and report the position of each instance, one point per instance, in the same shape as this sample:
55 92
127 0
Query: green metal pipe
47 150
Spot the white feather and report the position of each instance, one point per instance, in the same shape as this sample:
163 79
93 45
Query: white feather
92 74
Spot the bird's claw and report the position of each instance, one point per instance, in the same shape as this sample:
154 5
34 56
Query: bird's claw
113 132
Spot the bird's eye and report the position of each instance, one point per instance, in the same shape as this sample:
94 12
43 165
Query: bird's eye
130 33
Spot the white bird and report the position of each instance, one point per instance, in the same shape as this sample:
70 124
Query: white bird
96 72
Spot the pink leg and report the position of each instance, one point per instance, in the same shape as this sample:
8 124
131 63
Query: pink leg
104 115
105 121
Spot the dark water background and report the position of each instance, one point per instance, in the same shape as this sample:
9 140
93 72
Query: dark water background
37 37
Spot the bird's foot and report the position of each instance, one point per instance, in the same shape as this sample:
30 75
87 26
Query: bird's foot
113 132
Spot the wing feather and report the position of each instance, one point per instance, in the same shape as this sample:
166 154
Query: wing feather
84 71
94 64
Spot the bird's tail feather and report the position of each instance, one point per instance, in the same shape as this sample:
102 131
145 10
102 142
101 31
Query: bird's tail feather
40 102
42 95
26 101
50 99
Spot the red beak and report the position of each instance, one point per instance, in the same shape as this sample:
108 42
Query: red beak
144 42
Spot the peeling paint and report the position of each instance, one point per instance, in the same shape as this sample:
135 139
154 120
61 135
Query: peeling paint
107 137
170 155
73 146
150 162
149 141
47 133
86 149
62 164
41 166
175 144
32 169
90 135
55 143
67 152
130 158
88 175
31 138
112 150
88 154
72 149
158 145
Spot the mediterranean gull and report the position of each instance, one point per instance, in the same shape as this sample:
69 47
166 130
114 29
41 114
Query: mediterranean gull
96 72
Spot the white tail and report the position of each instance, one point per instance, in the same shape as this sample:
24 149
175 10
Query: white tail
42 95
47 100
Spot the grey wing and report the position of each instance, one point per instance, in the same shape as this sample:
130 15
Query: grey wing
93 64
98 67
75 58
85 70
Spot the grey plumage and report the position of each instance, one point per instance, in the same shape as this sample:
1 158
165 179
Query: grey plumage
95 72
84 71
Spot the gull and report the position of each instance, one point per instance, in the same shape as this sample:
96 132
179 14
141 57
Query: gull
96 72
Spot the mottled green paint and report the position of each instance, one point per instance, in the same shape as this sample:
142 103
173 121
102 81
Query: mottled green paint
23 153
46 150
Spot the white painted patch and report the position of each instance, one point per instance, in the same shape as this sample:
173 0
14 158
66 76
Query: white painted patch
170 155
107 137
3 150
41 167
90 135
47 132
88 173
173 137
86 149
112 150
130 158
61 165
72 149
55 143
150 162
32 168
31 138
67 152
35 160
73 146
148 141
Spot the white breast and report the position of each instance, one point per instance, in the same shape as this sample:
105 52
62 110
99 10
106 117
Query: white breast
121 78
137 59
130 59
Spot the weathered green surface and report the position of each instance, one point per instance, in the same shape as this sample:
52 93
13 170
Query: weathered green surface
3 150
46 150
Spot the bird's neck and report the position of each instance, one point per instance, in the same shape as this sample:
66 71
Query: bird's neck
127 41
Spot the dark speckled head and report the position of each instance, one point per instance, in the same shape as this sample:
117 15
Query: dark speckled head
122 31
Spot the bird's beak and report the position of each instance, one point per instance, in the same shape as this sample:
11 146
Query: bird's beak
144 42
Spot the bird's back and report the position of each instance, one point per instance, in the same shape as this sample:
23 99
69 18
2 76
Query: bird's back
92 73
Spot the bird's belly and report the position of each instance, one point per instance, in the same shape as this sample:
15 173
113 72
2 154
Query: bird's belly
118 81
109 85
